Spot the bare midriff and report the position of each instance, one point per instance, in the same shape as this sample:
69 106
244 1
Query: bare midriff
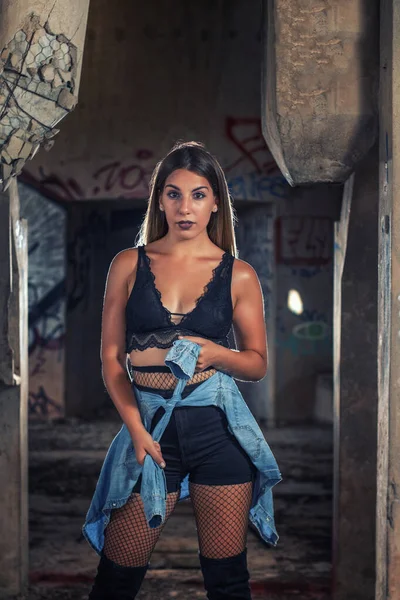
148 357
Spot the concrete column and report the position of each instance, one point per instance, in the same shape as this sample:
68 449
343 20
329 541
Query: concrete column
388 493
320 74
13 397
41 47
355 385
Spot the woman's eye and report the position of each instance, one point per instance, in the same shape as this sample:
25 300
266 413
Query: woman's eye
172 195
199 195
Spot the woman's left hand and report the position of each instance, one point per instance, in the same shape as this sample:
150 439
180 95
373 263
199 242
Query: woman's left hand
209 353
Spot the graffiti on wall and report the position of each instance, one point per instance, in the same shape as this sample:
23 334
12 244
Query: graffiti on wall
252 174
40 404
115 178
131 178
310 335
46 302
253 186
308 272
298 347
304 244
305 241
123 179
255 243
91 233
46 324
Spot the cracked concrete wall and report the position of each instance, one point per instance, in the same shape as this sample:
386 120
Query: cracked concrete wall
40 64
320 86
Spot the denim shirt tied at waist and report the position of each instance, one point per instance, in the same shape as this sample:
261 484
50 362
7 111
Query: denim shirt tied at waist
121 470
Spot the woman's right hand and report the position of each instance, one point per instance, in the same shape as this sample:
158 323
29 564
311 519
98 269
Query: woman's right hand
144 444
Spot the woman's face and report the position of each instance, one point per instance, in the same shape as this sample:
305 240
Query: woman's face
188 201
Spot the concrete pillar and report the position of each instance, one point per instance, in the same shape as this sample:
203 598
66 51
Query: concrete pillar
319 86
388 494
13 397
355 385
41 47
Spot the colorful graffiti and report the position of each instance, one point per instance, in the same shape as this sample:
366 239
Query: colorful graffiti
252 174
126 180
299 347
305 245
253 186
312 335
46 302
304 240
245 134
255 243
132 178
311 331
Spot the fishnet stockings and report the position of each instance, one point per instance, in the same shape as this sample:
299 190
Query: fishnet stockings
166 381
129 541
222 513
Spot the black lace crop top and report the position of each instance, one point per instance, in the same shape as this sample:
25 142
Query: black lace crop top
149 323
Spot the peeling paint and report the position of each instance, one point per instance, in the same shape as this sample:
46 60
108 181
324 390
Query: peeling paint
37 84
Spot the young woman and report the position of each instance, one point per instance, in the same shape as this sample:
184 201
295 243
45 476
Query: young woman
182 282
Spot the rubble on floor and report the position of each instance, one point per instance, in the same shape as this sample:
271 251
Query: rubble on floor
65 460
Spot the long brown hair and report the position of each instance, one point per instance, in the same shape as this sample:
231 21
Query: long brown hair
194 157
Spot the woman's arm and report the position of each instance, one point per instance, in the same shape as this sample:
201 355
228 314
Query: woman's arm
112 351
113 356
250 362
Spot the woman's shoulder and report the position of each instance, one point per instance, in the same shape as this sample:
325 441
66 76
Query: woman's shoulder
243 272
125 261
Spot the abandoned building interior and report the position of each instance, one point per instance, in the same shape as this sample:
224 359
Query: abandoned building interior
297 100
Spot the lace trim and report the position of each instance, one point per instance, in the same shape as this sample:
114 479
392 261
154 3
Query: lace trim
206 288
152 340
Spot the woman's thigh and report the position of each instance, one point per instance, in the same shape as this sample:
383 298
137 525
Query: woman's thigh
222 517
128 539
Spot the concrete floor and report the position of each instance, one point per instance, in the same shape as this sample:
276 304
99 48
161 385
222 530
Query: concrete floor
65 459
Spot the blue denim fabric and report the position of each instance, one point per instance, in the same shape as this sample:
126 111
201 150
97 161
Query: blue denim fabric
121 470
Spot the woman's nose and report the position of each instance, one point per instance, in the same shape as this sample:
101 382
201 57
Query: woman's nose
185 204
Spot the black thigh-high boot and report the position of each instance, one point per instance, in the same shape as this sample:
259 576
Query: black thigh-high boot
116 582
226 578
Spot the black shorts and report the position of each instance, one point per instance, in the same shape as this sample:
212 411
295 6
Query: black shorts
197 442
